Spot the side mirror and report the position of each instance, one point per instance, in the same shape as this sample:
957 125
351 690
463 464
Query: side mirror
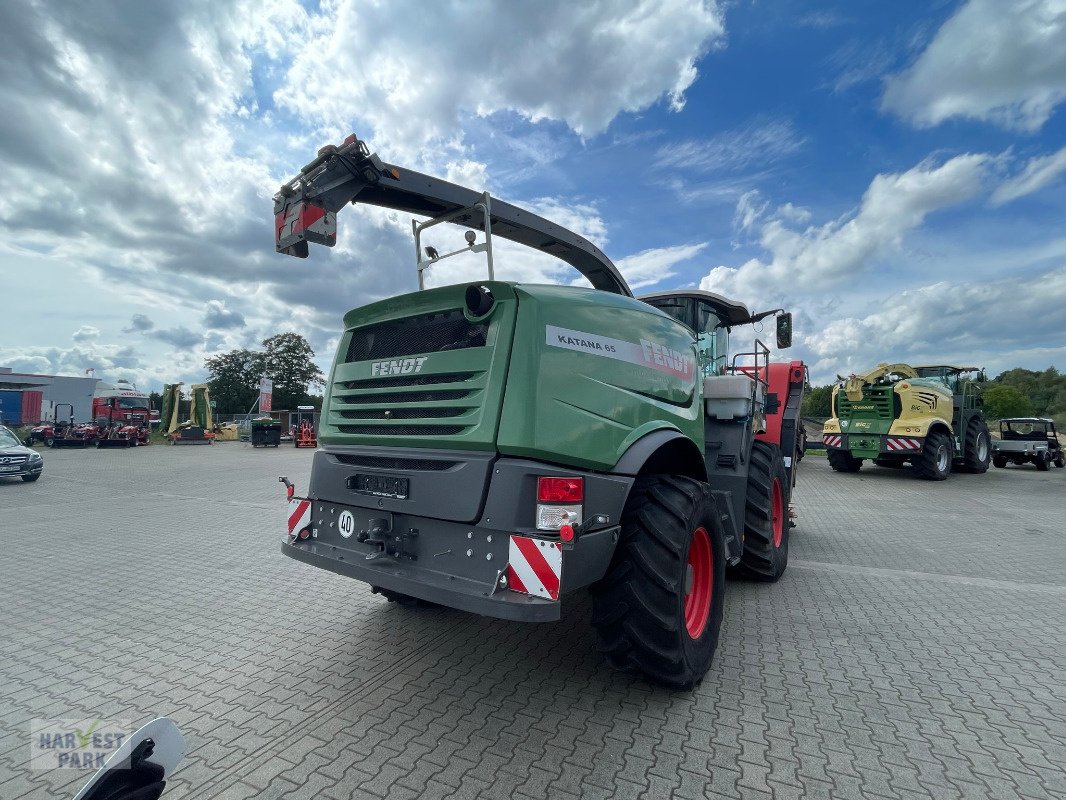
784 330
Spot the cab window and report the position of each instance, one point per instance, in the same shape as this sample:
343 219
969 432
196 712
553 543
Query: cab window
712 340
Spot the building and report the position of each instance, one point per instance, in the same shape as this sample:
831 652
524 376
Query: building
17 399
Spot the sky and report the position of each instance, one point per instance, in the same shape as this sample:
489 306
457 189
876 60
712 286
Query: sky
893 173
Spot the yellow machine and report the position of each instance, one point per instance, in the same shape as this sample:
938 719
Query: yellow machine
929 416
198 428
227 432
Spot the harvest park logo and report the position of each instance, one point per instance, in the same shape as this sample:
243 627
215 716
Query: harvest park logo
75 743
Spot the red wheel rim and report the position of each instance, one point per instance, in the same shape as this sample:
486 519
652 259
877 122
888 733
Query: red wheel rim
777 514
698 597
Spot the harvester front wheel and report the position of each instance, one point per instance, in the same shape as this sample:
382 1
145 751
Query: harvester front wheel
977 452
658 610
766 517
843 461
934 464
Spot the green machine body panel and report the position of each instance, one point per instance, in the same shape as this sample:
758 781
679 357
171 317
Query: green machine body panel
545 374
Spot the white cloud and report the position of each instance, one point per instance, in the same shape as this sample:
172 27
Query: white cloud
1001 61
1037 174
653 266
412 81
217 316
999 324
820 256
750 208
139 323
179 337
757 144
86 333
117 361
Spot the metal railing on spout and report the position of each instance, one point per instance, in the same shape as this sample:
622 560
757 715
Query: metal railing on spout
483 207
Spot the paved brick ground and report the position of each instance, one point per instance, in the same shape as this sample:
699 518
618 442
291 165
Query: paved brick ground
915 649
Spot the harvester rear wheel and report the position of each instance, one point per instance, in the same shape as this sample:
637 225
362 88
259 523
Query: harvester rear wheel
658 610
977 450
934 463
843 461
766 516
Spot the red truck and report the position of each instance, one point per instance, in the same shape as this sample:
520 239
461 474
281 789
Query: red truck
121 405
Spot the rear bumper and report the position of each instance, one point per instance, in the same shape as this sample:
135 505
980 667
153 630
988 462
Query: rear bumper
873 445
437 583
455 563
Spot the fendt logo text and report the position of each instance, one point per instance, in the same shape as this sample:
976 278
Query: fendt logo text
399 366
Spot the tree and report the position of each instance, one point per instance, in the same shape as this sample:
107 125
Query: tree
233 379
1006 401
288 360
817 402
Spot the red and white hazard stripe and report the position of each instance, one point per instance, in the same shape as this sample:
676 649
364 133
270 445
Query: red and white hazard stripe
895 443
832 440
299 514
535 567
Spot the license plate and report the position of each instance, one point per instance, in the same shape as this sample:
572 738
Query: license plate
8 468
380 485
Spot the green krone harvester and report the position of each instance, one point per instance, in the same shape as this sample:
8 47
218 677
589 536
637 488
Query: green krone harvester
930 417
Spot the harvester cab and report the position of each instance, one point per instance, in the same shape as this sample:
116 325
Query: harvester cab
304 435
495 446
929 416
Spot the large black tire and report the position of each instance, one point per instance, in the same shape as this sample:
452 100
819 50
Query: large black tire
843 461
1060 461
999 461
50 442
1043 461
766 525
977 452
934 463
658 610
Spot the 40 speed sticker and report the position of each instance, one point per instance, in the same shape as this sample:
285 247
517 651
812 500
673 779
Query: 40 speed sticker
653 355
346 524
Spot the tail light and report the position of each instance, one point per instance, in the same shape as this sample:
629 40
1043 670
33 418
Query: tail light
559 502
560 490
